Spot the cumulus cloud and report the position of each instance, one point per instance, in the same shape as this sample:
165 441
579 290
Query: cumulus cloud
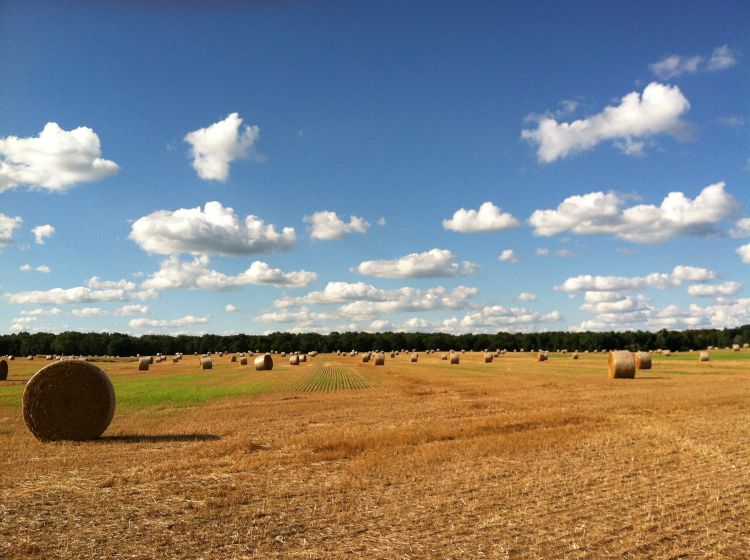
436 263
656 111
676 65
498 317
22 323
213 230
98 284
526 296
62 296
55 160
88 312
722 58
507 255
175 273
600 213
135 309
167 323
545 252
744 252
487 218
216 146
7 225
729 288
327 225
380 325
656 280
43 268
43 232
42 311
741 228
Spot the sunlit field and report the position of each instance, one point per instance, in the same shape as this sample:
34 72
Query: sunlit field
336 458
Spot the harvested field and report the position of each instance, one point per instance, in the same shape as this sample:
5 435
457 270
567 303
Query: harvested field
340 459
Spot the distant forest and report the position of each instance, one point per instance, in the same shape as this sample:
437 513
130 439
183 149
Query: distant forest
118 344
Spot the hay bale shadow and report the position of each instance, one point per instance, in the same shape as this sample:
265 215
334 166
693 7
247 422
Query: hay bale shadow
159 438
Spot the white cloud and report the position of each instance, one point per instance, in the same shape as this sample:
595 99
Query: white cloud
380 325
729 288
62 296
97 283
88 312
436 263
600 213
744 252
42 311
656 280
381 221
166 323
415 323
55 160
175 273
43 268
338 292
545 252
656 111
213 230
741 228
526 296
327 225
135 309
507 255
723 57
229 308
42 232
487 218
7 225
542 252
215 146
498 317
21 323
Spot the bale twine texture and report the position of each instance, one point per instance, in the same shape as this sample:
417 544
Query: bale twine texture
264 362
643 360
621 364
68 400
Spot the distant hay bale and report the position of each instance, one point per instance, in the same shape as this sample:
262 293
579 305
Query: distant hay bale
393 354
414 357
264 363
736 347
541 357
302 358
642 360
454 358
365 357
574 355
207 363
3 370
444 357
143 364
666 352
746 345
283 354
11 358
488 357
380 359
243 361
176 360
30 357
48 357
621 365
233 359
68 400
703 357
151 359
293 360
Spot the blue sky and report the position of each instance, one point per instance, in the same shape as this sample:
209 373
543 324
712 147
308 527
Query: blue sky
262 166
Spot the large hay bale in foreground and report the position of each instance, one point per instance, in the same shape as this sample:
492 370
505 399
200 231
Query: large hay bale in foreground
621 364
488 357
143 364
454 358
3 370
207 363
264 362
380 359
703 356
293 360
642 360
68 400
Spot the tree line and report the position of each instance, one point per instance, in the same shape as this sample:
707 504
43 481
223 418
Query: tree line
119 344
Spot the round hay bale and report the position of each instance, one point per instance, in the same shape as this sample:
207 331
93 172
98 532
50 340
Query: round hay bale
143 364
30 357
68 400
264 362
666 352
393 354
414 357
736 347
621 364
454 358
703 356
11 358
233 359
3 370
243 361
642 360
150 359
293 360
746 345
365 357
380 359
541 357
176 360
303 358
488 357
207 363
574 355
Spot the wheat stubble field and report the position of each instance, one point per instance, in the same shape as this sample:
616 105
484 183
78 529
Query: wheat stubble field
339 459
